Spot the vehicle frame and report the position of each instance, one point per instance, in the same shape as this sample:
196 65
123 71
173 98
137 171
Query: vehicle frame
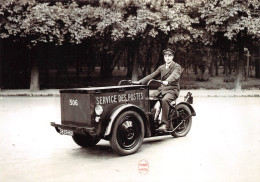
123 115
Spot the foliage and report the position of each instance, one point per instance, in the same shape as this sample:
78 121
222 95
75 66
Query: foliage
110 24
59 22
44 22
231 17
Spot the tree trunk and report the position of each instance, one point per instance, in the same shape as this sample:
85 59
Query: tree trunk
115 61
225 65
229 64
47 73
257 64
129 62
216 66
150 64
89 66
240 64
35 81
211 67
201 76
257 68
1 61
135 66
195 69
147 64
35 73
239 73
247 66
107 65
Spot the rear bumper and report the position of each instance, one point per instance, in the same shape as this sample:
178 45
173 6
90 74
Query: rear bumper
82 130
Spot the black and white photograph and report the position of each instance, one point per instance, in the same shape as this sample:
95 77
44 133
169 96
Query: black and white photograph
129 90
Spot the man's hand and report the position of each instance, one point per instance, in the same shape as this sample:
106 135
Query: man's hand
165 83
136 82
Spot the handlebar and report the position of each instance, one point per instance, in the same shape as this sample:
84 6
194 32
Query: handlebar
132 82
129 81
152 80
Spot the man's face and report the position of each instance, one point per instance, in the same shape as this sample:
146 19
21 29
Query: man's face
168 57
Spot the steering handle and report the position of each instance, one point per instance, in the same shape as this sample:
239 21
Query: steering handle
129 81
133 83
152 80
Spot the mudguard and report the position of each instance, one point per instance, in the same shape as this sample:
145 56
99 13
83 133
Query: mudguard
190 107
118 110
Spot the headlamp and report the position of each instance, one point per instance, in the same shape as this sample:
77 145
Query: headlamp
98 110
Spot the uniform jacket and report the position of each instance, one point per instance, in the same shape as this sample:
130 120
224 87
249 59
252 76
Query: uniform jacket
171 74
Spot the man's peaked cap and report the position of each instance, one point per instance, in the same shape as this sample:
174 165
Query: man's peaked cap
167 51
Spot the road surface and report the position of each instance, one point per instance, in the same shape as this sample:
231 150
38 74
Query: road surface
223 145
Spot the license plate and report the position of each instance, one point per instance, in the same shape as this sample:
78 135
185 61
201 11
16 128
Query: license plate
65 132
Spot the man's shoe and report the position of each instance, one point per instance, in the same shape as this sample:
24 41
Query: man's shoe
162 127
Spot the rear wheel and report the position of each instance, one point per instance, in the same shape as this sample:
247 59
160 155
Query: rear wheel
85 140
128 133
184 125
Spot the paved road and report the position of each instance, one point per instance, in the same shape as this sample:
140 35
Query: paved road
223 145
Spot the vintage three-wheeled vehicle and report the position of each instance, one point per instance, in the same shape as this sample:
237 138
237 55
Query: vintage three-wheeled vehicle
123 114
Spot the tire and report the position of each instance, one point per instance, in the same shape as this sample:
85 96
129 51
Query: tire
184 128
127 133
85 140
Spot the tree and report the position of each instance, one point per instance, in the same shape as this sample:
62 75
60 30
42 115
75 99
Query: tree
36 24
110 27
231 20
168 23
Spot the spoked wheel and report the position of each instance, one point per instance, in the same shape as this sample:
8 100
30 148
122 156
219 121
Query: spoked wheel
182 123
128 133
85 140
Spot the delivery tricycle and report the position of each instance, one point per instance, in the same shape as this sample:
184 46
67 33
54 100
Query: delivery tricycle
124 115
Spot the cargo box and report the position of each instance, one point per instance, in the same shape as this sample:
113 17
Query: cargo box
78 105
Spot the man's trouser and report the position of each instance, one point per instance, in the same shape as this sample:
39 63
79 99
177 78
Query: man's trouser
165 101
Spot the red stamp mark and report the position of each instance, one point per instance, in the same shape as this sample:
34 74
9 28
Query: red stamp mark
143 167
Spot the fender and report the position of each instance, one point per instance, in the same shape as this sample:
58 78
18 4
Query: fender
120 109
190 107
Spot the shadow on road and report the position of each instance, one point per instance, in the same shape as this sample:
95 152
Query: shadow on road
103 149
100 151
157 139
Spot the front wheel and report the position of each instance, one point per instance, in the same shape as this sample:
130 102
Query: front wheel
128 133
85 140
183 123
